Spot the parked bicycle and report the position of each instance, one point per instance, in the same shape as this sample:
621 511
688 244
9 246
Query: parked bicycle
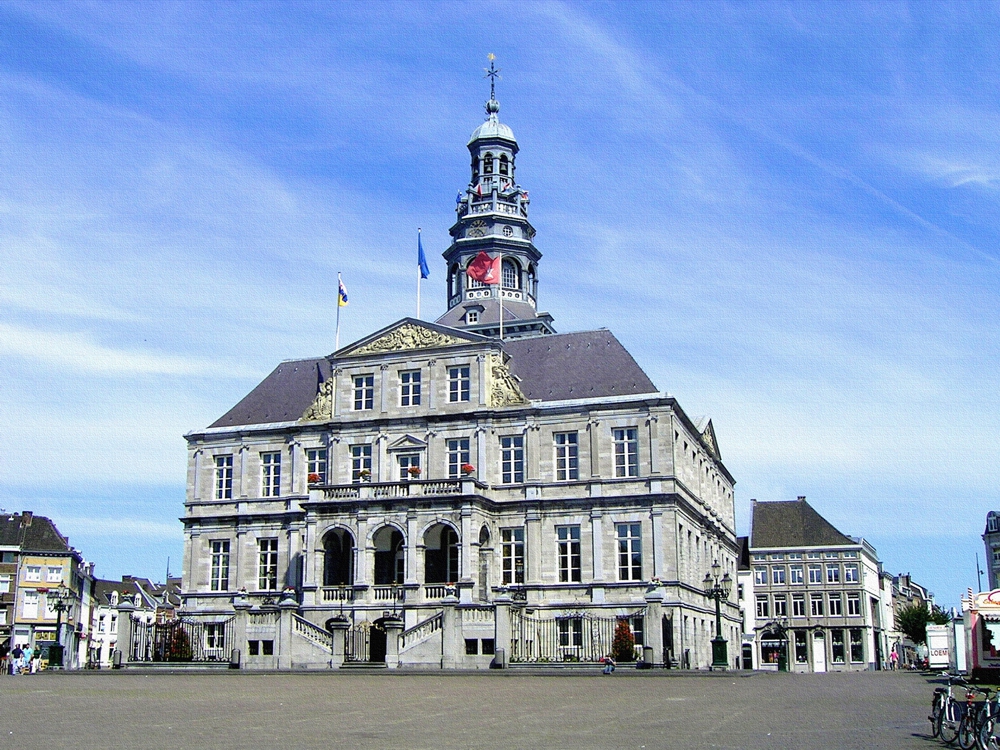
946 711
973 718
989 724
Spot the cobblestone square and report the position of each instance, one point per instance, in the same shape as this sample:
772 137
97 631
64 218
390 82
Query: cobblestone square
464 710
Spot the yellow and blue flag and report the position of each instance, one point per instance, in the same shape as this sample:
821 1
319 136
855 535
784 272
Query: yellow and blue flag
341 294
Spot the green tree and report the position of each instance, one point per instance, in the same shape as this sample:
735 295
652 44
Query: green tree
623 646
912 620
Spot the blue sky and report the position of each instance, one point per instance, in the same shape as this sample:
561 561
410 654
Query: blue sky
787 212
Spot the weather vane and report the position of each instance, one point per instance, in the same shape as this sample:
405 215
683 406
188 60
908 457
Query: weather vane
492 73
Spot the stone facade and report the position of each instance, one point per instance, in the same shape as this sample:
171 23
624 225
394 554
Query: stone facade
434 495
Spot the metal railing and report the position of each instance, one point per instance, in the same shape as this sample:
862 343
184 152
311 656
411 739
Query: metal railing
573 637
181 641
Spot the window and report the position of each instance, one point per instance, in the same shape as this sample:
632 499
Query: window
223 477
854 605
30 609
33 573
816 605
114 623
407 461
760 557
53 575
509 275
813 555
512 459
458 456
760 576
629 551
253 648
267 648
472 316
270 470
780 606
801 649
777 556
815 574
833 573
832 555
567 467
409 388
837 645
763 610
364 392
626 452
488 164
798 605
851 555
458 384
471 646
489 646
512 552
215 635
569 553
3 616
857 649
503 163
4 584
851 573
794 555
220 565
795 574
638 636
570 632
316 463
836 608
361 462
267 564
102 624
778 574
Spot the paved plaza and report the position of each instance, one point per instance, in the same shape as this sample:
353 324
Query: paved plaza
465 710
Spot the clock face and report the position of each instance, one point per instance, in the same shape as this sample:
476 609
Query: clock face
508 231
478 229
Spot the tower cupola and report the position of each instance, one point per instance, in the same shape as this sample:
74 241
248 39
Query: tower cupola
492 217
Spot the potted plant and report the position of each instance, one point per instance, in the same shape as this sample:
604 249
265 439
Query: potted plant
414 472
313 479
468 469
365 474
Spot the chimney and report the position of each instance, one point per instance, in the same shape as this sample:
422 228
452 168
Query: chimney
802 498
26 517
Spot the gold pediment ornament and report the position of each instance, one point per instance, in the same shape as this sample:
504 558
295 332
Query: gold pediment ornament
408 336
504 390
708 439
322 406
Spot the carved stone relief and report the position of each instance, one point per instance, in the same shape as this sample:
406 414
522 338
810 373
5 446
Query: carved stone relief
322 406
504 390
408 336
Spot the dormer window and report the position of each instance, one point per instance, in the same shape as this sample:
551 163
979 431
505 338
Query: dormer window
503 164
138 600
488 164
472 316
114 598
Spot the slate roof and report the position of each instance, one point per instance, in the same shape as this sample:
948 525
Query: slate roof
283 396
490 315
576 365
792 523
742 553
41 535
553 367
10 530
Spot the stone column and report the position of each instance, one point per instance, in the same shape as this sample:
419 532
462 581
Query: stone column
287 607
653 625
594 427
196 479
451 632
481 458
242 491
393 627
657 518
410 578
242 606
338 631
531 451
597 543
124 643
361 553
383 380
501 632
336 391
428 392
383 471
533 547
481 365
466 562
654 445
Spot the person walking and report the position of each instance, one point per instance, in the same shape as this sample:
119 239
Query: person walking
16 655
893 660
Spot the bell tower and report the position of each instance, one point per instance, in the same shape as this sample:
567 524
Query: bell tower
492 217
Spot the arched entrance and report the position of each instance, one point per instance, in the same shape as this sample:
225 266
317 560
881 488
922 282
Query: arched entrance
390 557
441 554
338 558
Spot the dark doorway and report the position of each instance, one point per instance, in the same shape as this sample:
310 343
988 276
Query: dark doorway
390 556
377 644
747 656
338 558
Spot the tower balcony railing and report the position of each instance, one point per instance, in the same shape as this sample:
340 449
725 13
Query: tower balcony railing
391 490
500 206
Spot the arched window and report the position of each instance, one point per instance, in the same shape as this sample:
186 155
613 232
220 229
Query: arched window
503 164
532 290
475 168
488 164
338 558
454 280
390 557
509 275
440 554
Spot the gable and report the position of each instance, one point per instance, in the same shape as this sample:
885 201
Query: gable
407 442
409 334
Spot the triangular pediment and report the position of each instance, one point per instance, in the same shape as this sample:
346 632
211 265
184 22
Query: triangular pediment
709 441
409 334
408 442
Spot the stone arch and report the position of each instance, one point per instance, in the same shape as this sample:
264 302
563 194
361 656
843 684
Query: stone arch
441 553
488 163
338 557
389 542
503 165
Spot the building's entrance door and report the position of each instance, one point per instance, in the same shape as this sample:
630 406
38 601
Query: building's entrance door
747 656
819 652
377 643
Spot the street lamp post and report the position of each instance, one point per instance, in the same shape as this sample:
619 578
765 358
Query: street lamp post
62 604
718 588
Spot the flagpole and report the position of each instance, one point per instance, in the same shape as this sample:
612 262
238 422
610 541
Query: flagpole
419 274
500 297
336 345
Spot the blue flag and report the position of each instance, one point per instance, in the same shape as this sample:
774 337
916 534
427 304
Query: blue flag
422 259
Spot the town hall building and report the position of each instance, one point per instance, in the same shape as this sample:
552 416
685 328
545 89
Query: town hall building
471 492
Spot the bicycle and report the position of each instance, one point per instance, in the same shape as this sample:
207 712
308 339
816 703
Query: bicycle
989 725
972 720
946 712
